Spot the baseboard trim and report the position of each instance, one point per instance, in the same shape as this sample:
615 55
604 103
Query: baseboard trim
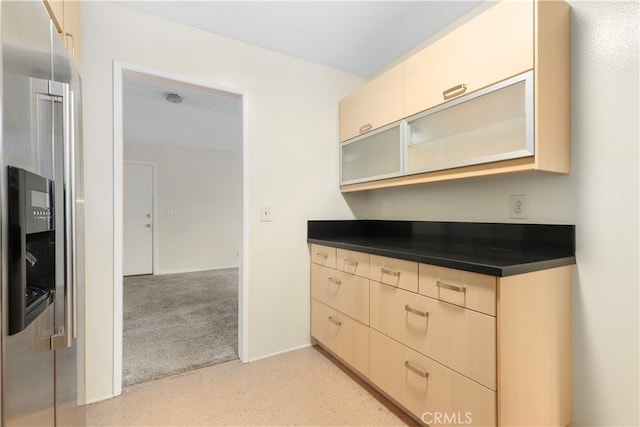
99 399
191 270
278 353
255 359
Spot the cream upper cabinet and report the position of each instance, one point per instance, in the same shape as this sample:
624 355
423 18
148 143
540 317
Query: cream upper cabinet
492 96
66 17
495 45
489 125
375 155
377 103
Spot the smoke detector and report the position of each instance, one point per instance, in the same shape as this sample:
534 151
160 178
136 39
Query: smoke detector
173 97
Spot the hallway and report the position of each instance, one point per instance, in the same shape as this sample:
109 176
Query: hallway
178 322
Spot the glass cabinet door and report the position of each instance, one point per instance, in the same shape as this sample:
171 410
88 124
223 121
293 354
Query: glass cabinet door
492 124
375 155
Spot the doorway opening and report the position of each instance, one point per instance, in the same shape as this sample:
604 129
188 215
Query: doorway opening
183 232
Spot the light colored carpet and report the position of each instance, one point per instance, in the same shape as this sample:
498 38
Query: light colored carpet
178 322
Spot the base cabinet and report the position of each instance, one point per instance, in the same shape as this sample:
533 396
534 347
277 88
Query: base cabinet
430 391
464 340
450 347
343 291
343 336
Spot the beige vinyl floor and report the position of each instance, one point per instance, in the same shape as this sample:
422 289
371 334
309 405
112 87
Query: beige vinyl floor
303 388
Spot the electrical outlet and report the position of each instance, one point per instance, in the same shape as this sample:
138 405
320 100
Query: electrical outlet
518 208
265 214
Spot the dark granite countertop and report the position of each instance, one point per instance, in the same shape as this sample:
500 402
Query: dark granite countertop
497 249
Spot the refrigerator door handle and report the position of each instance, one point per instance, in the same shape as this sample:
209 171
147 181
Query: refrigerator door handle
69 241
72 211
65 297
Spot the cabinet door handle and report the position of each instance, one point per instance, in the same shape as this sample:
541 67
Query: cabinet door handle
73 45
454 91
457 288
365 128
335 321
335 281
390 272
410 309
415 370
321 255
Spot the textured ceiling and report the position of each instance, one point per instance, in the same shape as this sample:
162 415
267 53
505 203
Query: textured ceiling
205 119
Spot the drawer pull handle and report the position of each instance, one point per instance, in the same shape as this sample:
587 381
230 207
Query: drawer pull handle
335 321
366 127
454 91
415 370
321 255
451 287
410 309
390 272
335 281
348 261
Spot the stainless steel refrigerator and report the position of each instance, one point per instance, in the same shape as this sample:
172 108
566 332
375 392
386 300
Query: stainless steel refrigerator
42 223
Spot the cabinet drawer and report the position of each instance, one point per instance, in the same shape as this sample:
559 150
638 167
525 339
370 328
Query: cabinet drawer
323 255
470 290
346 338
426 388
353 262
394 272
464 340
343 291
505 49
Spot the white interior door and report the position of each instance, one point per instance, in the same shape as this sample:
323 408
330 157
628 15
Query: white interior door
138 219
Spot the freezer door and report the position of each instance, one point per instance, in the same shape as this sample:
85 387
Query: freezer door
27 362
42 365
28 374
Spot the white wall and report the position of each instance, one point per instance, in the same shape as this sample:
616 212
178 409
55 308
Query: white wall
203 190
600 197
292 166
